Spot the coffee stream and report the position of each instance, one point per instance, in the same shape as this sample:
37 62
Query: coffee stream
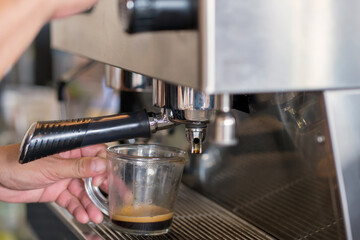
143 218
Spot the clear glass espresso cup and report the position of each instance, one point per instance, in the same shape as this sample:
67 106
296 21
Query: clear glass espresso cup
143 181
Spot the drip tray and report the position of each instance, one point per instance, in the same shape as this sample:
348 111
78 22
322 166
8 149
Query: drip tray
196 217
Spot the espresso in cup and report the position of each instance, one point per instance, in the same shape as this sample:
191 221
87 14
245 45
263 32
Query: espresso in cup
143 182
142 217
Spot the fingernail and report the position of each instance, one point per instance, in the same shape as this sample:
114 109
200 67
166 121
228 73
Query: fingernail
99 219
98 165
98 181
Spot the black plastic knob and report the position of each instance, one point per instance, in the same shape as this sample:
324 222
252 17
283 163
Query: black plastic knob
157 15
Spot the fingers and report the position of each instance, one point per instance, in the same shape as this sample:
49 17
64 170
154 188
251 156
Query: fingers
77 202
78 167
98 150
73 205
81 163
95 150
99 180
93 236
49 170
76 187
104 186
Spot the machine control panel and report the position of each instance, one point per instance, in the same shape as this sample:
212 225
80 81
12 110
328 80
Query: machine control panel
156 15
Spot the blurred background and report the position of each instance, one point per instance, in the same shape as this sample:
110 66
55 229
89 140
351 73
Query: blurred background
46 85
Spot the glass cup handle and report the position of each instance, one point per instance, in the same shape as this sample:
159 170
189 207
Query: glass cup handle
96 196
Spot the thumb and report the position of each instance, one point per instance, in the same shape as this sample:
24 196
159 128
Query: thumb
81 167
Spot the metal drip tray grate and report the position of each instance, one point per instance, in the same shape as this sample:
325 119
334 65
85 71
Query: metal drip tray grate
295 205
295 212
196 217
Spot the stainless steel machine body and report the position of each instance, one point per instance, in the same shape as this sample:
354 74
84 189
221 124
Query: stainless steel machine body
281 175
294 172
123 80
241 46
186 106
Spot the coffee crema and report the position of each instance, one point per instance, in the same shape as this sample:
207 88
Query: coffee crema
143 218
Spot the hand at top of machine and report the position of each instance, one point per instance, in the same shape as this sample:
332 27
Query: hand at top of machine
21 20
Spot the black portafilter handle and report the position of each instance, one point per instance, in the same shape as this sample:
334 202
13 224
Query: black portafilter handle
51 137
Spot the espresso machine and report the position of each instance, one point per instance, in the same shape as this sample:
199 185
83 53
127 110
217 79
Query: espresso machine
265 93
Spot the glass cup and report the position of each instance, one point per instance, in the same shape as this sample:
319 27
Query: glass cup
143 181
